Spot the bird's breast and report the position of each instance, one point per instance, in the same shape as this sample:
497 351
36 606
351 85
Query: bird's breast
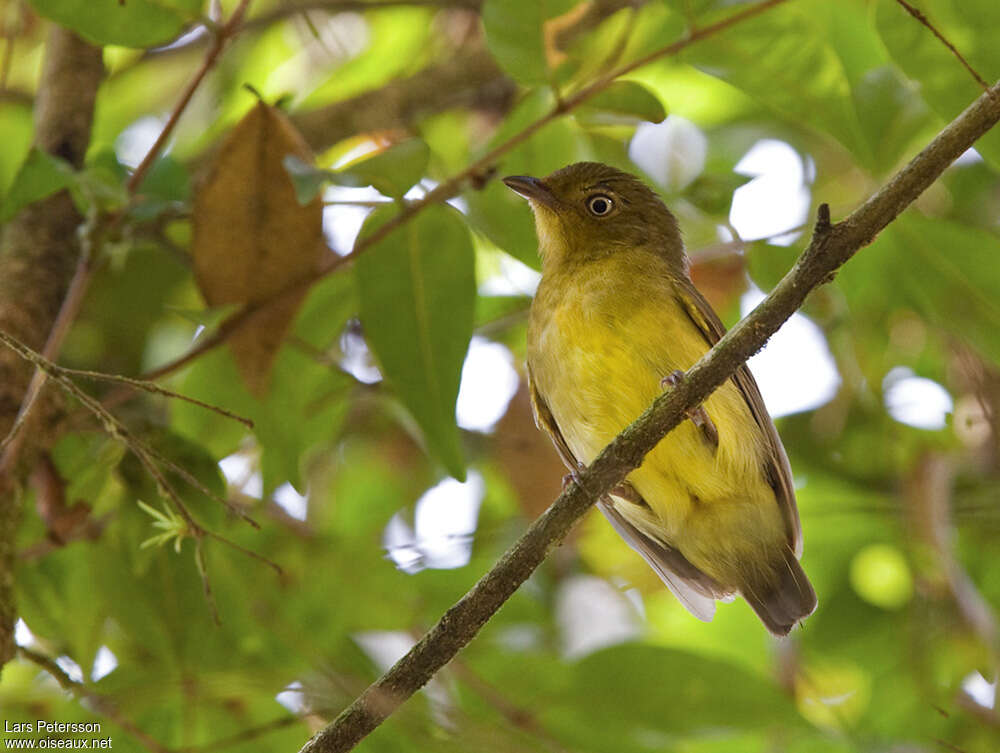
598 354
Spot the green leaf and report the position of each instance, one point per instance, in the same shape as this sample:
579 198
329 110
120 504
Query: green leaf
623 102
713 192
417 293
101 183
87 462
135 23
973 25
889 109
40 175
307 180
392 172
891 114
144 284
304 407
514 36
166 186
184 453
396 39
767 263
707 697
788 60
556 145
16 126
633 32
945 271
505 219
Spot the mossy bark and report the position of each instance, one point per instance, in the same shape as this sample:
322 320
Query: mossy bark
38 253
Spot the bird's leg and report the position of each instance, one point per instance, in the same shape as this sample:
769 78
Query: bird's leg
699 416
626 491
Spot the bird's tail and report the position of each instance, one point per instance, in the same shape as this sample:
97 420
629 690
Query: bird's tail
785 598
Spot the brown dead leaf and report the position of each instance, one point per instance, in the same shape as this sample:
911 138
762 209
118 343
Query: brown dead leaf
253 239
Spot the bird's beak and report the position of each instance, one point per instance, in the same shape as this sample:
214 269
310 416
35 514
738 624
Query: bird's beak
532 189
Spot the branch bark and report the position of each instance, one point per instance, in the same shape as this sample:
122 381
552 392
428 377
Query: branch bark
38 254
468 79
831 246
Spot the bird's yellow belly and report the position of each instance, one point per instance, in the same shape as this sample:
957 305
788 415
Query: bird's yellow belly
596 380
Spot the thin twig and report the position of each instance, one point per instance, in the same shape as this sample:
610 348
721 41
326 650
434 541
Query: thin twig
948 746
48 368
68 310
186 475
243 550
917 14
245 736
101 704
154 388
221 39
517 716
147 455
930 508
831 246
717 250
449 188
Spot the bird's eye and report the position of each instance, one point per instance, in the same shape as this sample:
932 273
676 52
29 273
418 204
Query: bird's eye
600 205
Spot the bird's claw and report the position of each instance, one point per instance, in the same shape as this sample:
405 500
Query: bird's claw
627 492
698 416
573 477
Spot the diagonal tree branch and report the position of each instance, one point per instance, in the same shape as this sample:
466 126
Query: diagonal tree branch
831 246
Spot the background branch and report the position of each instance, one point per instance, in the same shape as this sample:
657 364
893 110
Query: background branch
38 252
478 169
831 246
469 78
98 702
46 266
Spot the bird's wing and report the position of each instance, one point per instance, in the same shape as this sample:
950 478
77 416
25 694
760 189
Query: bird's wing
693 588
545 421
777 470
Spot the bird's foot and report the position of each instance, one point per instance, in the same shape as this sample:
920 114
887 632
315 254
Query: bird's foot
698 416
627 492
573 477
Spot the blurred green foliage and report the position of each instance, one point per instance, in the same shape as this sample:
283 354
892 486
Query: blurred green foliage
900 522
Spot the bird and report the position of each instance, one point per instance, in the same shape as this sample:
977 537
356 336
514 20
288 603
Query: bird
615 320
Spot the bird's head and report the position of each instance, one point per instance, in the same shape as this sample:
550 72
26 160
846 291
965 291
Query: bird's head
589 210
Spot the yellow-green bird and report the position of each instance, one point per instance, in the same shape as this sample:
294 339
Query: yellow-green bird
615 320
